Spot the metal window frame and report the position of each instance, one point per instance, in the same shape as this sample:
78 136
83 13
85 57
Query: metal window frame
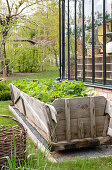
63 39
75 40
62 43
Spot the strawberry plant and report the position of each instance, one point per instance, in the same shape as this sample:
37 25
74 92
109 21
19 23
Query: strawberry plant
48 90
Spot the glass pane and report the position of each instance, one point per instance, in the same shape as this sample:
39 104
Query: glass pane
79 41
66 38
88 40
98 21
72 39
109 42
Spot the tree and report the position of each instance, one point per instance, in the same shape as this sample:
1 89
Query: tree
11 13
44 23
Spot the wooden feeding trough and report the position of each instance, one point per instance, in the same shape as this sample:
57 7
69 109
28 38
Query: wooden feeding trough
68 123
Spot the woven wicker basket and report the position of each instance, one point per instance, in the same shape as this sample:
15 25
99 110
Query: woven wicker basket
6 136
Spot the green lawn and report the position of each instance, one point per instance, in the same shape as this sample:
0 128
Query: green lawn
50 74
84 164
4 110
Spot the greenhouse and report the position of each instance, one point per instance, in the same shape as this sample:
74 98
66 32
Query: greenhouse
86 41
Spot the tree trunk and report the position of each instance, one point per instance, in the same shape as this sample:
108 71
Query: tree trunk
4 50
0 50
56 58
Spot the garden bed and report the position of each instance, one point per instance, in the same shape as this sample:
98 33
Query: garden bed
69 122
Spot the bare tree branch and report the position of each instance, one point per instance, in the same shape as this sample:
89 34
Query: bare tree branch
8 6
26 27
17 7
12 5
23 9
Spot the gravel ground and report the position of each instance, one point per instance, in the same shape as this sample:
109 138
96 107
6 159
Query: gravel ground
100 151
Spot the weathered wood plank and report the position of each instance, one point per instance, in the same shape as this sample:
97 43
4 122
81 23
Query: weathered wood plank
108 108
100 120
35 111
51 124
12 95
35 136
35 114
61 129
67 118
80 129
106 125
80 107
24 109
61 126
92 116
17 98
80 143
100 103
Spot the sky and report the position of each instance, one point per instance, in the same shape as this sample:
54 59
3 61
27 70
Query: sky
27 11
88 6
98 6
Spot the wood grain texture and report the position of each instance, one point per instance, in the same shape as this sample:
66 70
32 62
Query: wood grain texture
80 129
17 98
61 128
108 108
12 94
67 118
24 109
80 107
41 143
51 124
106 125
92 116
100 103
80 143
34 110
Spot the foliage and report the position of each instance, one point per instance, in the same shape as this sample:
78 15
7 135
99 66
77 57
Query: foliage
4 92
32 59
11 13
5 95
44 29
16 23
49 90
29 61
3 86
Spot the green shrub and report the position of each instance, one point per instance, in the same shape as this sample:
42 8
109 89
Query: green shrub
3 86
4 92
29 61
5 95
